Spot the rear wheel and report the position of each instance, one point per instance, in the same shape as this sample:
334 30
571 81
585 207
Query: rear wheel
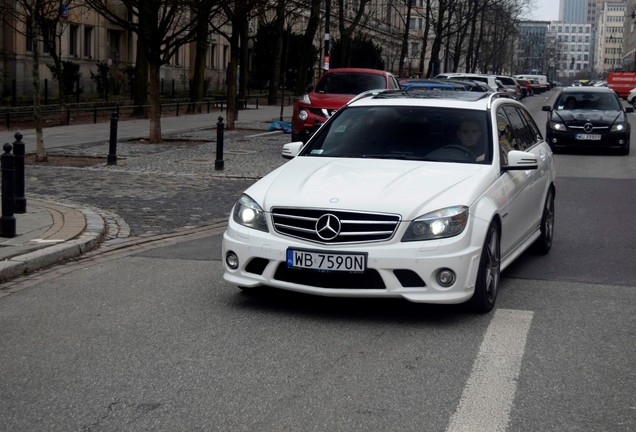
489 274
544 243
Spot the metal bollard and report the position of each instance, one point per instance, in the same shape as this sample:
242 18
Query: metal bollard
7 221
112 147
218 162
18 164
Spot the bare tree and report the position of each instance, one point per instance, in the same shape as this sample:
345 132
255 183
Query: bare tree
349 20
162 27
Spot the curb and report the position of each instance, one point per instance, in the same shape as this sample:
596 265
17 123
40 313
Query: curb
90 238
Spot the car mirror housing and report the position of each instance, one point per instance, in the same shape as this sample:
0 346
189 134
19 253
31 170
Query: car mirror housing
520 160
546 108
291 150
629 109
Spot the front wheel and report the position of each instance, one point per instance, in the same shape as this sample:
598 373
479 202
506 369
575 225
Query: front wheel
489 273
544 243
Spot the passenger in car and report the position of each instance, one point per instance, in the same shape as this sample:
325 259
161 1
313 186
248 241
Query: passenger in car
470 137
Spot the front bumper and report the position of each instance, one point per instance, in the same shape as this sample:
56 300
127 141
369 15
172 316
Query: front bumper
568 139
394 269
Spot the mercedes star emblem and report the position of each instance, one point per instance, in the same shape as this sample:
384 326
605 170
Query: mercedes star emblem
328 227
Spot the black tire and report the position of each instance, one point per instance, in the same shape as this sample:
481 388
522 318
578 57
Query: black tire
544 243
489 273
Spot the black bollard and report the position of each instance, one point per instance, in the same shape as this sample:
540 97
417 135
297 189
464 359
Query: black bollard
7 221
219 163
112 147
18 164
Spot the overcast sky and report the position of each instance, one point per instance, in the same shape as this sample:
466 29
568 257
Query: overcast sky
545 10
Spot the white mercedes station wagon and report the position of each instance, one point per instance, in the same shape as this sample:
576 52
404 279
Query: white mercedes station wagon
422 195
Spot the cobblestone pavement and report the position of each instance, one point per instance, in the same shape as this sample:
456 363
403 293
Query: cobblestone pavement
157 188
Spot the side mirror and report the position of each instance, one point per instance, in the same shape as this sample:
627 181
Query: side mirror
546 108
629 109
291 150
521 161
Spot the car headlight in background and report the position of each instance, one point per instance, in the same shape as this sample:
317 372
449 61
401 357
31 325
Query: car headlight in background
557 126
302 114
442 223
248 213
618 127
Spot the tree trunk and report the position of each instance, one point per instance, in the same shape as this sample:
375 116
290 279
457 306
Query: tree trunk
405 40
274 79
140 83
308 37
232 74
40 151
154 112
197 89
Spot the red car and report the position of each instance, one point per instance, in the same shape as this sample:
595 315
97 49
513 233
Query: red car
335 88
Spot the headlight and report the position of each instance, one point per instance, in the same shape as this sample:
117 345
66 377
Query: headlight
442 223
302 114
557 126
248 213
618 127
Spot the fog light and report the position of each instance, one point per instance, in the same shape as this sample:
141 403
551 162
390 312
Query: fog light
446 277
621 142
554 140
232 260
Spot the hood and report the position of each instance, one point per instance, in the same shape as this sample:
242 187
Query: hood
329 100
595 116
408 188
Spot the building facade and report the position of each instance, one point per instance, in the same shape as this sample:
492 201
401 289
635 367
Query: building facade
573 11
533 56
573 49
629 37
609 37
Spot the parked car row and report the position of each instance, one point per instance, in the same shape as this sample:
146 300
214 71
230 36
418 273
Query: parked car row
337 86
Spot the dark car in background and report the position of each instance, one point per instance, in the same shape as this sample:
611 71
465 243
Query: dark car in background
335 88
588 117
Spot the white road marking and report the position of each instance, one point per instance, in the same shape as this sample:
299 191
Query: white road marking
487 398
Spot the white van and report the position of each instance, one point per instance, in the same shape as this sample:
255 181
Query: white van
543 80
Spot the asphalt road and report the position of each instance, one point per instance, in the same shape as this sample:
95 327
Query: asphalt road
150 337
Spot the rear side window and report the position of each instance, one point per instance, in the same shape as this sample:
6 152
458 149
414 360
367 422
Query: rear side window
523 136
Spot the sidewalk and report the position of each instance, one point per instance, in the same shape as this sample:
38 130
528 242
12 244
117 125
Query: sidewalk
51 232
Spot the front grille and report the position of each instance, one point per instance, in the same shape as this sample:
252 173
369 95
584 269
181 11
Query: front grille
369 279
349 227
594 128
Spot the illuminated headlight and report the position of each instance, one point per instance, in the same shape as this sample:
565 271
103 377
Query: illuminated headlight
557 126
442 223
302 114
248 213
618 127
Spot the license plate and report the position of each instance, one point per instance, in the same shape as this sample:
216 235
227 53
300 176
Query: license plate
317 260
588 137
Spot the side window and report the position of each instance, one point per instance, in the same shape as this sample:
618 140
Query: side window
504 132
523 139
532 126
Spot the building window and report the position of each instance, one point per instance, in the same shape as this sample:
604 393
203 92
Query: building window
88 42
72 40
29 36
48 37
113 39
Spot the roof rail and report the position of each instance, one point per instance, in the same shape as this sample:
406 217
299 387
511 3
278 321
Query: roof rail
498 95
368 93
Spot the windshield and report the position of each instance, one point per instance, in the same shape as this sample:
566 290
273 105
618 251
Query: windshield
588 101
400 132
350 83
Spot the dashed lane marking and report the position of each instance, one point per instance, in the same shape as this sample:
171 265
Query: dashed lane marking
488 395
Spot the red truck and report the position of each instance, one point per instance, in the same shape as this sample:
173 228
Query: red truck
621 82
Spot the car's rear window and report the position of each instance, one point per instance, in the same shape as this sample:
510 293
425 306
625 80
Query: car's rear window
395 132
350 83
